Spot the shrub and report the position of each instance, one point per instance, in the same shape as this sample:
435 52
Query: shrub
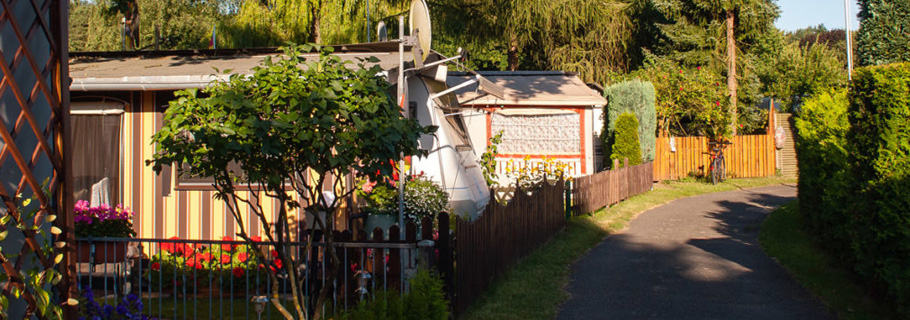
878 145
882 37
423 198
425 301
637 97
626 143
822 158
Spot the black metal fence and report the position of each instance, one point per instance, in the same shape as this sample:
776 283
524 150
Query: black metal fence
202 279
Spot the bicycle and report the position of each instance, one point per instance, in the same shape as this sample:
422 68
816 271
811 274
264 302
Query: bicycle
718 169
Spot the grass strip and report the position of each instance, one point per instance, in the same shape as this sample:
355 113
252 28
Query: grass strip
535 287
783 236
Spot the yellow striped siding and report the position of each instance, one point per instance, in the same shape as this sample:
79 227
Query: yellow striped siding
180 213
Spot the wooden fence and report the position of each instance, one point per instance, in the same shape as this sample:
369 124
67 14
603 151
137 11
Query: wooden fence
750 156
488 246
605 188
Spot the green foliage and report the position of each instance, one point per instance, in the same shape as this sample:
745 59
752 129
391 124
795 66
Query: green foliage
626 144
35 279
789 70
423 198
883 36
425 301
290 123
488 160
637 97
878 145
689 101
822 158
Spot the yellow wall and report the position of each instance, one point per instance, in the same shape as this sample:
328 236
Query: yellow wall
186 214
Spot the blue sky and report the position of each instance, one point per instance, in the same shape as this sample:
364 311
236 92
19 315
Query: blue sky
796 14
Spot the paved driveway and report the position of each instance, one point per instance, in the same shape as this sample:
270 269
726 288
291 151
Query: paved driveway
694 258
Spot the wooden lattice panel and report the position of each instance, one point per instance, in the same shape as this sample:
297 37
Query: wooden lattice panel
33 113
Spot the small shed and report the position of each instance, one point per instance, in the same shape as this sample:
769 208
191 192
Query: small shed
544 114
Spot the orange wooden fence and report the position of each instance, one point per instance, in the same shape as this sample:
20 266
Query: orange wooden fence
749 156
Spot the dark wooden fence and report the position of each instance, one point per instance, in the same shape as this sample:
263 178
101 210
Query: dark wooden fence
605 188
490 245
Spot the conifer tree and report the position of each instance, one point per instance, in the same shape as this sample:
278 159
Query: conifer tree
883 36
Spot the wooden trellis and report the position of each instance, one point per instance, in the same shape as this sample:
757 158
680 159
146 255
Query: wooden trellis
34 117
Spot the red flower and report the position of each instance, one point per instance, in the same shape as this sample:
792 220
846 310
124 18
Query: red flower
241 257
191 263
156 266
698 68
225 258
717 103
274 254
680 71
256 239
278 263
169 246
680 88
238 272
205 257
227 246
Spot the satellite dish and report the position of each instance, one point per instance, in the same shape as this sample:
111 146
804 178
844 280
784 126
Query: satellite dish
419 20
382 33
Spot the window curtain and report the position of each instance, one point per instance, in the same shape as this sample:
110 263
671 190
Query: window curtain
96 155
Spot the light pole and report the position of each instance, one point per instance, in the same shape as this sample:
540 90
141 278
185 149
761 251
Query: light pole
847 34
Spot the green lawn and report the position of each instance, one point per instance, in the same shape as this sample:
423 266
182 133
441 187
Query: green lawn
534 288
783 237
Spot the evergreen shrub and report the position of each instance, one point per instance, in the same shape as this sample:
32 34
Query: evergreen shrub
878 155
637 97
626 144
425 301
821 128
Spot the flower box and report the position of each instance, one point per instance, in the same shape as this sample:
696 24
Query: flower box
105 252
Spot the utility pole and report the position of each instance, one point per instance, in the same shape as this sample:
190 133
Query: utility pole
847 34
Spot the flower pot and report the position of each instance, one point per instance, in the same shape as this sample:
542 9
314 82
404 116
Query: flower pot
105 252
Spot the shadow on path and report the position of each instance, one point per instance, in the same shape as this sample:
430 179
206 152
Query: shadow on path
695 258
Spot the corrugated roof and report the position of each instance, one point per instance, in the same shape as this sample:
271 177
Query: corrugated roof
529 88
180 71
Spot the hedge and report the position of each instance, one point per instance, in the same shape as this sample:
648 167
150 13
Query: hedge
822 159
854 179
626 143
878 145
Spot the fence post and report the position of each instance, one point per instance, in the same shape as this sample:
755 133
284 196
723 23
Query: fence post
445 263
569 213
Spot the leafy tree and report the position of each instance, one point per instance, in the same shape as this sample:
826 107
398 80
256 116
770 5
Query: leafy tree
626 140
883 36
712 34
637 97
789 70
689 101
288 126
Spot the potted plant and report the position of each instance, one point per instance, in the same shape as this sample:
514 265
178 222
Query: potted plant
381 205
94 225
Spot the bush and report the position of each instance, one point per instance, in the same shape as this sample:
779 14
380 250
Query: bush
822 158
425 301
882 37
626 143
637 97
878 145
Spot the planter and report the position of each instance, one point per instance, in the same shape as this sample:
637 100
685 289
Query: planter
382 221
105 252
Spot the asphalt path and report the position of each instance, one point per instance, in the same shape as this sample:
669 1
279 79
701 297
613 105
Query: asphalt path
694 258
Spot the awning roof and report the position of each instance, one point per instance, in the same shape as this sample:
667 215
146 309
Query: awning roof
180 70
530 88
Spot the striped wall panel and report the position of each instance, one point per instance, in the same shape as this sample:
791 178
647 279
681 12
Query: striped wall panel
161 210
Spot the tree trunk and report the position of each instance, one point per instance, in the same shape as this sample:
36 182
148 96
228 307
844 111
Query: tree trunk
731 70
315 36
513 53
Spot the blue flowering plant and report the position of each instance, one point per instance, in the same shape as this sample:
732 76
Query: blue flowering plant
130 308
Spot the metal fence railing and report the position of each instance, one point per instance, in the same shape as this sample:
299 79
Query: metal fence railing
203 279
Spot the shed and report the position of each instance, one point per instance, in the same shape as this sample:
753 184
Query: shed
550 114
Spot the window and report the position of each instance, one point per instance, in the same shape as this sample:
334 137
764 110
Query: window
549 134
96 151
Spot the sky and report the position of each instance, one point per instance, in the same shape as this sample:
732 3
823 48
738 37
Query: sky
797 14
